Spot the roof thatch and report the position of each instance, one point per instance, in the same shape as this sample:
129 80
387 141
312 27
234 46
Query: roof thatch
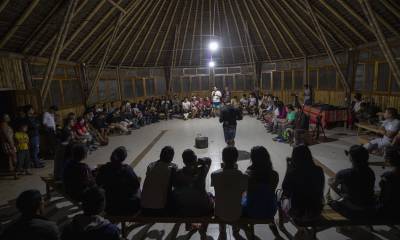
176 32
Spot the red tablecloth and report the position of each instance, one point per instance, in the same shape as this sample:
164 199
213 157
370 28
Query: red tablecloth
328 117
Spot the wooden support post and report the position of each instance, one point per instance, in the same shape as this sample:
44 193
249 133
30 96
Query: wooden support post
380 37
105 56
328 48
305 71
119 83
53 61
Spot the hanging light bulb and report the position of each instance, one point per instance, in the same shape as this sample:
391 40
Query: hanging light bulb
211 64
213 46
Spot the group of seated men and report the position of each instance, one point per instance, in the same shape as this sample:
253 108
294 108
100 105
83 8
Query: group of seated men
169 191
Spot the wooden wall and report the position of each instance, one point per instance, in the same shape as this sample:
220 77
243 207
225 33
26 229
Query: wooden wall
11 74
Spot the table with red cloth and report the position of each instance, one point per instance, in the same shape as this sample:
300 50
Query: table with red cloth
329 116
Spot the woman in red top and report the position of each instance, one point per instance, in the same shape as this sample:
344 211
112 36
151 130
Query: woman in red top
81 130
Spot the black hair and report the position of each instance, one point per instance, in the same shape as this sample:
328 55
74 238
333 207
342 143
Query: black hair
358 96
28 202
54 108
359 156
229 156
119 154
302 158
167 154
392 111
290 107
79 152
189 157
27 108
93 201
261 160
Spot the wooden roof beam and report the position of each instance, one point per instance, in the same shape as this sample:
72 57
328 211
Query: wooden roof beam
131 26
194 32
286 29
55 56
185 33
229 32
40 30
92 31
343 20
265 27
392 6
159 30
168 30
143 41
216 9
328 48
238 31
276 27
255 26
137 34
3 5
20 21
101 41
51 41
117 6
383 44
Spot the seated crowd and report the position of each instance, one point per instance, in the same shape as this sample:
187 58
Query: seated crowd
169 191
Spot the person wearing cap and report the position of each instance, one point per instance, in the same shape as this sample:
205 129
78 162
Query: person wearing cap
389 197
120 183
31 224
355 185
90 225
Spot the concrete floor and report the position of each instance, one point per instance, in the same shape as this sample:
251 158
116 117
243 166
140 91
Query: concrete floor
180 135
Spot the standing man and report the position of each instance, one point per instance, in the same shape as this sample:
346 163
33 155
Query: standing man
229 116
49 124
34 138
216 100
308 94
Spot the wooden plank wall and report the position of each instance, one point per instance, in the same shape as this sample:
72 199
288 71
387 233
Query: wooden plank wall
11 74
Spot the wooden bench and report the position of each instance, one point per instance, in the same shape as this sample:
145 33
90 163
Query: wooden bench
57 186
370 128
123 220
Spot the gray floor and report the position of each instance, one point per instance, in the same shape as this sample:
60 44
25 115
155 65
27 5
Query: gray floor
180 135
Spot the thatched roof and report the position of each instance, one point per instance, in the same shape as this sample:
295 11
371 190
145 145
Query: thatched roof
176 32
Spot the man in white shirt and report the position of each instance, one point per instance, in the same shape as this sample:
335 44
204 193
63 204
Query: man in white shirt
49 124
216 100
186 108
157 186
391 125
229 184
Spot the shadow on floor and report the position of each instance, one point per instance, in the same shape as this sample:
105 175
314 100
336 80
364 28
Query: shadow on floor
243 155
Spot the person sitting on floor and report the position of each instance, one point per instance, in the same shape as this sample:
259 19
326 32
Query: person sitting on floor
77 176
355 185
389 197
31 224
63 154
91 225
391 126
186 108
229 184
303 186
260 201
285 126
157 187
121 184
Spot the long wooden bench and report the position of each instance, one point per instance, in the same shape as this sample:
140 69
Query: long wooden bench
370 128
329 217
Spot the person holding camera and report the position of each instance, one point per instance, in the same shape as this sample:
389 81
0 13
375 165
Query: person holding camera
190 196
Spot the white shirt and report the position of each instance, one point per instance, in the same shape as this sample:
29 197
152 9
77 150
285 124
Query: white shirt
48 120
229 186
216 96
186 105
253 101
391 125
357 106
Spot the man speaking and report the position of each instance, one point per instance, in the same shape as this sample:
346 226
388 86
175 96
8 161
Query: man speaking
229 115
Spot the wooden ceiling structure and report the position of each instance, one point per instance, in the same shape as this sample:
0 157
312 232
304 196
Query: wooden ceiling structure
151 33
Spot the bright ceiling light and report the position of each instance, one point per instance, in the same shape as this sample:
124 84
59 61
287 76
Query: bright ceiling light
211 64
213 46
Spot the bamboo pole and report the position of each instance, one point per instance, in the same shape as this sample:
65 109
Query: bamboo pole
52 64
328 49
185 33
3 5
16 25
194 32
117 6
228 30
385 48
104 59
216 9
238 31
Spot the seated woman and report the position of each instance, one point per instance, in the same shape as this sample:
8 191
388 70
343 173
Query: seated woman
81 131
77 176
303 186
120 183
355 185
389 198
260 201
